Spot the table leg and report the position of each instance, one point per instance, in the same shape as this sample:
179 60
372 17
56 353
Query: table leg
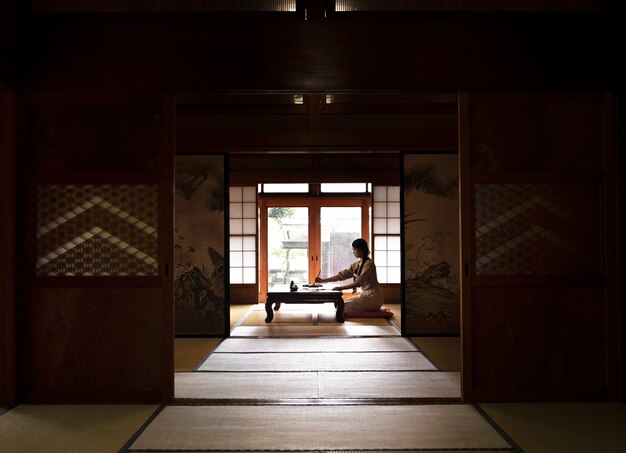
269 311
339 306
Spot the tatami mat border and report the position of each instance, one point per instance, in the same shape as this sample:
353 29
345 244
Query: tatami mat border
311 371
515 448
241 320
317 402
135 436
302 337
317 352
394 326
418 348
220 342
431 450
442 450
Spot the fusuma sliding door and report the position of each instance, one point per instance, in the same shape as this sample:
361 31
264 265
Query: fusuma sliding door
431 245
538 285
96 311
200 278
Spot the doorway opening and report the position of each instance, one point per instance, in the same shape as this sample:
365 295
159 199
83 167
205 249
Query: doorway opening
292 231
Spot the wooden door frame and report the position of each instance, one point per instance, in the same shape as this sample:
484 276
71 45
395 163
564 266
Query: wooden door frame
465 235
8 132
166 196
313 203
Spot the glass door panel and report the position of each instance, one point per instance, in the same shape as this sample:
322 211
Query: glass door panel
287 245
339 227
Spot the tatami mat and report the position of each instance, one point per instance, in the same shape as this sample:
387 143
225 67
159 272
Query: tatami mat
189 352
246 385
563 427
275 330
317 361
257 318
331 320
70 428
349 427
302 314
237 311
411 384
445 352
318 385
386 344
309 308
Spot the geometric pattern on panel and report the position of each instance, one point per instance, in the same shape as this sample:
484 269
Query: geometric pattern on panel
97 230
537 229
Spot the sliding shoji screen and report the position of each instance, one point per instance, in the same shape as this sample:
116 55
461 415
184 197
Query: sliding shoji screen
386 233
243 234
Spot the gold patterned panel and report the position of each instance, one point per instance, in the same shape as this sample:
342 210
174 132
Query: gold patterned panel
97 230
537 229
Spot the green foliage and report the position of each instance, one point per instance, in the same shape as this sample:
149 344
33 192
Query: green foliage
280 213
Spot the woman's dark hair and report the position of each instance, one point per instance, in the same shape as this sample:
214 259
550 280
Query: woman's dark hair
361 244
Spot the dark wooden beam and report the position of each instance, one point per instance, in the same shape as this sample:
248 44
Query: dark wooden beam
316 142
195 53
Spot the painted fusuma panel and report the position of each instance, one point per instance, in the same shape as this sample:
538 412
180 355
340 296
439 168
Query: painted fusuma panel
431 244
199 284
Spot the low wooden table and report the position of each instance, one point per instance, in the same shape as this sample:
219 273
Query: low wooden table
303 296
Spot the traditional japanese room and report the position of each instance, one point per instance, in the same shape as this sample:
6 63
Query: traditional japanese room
191 191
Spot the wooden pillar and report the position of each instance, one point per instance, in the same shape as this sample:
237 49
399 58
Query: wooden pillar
7 245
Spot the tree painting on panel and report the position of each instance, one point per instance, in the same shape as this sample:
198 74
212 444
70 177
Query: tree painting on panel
431 237
199 245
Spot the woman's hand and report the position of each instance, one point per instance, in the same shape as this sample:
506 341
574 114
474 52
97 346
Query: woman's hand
319 280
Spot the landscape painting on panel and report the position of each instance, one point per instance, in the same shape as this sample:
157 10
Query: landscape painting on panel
199 246
431 239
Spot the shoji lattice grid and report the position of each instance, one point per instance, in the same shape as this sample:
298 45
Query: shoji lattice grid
97 230
243 229
386 233
537 229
